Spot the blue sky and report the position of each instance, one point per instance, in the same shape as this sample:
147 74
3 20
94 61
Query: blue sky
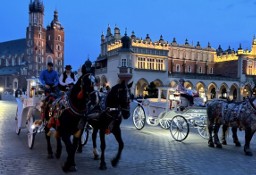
224 22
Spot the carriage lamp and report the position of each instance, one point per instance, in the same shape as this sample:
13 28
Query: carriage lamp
33 126
33 83
1 89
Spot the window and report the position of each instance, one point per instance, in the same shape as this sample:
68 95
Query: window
59 38
250 70
49 37
35 20
49 59
58 47
124 62
200 70
189 69
141 63
159 64
13 61
59 54
177 68
211 70
150 63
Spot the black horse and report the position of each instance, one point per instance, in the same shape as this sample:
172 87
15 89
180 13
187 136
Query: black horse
117 106
64 114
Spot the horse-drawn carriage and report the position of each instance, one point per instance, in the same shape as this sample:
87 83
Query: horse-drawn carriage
173 112
28 110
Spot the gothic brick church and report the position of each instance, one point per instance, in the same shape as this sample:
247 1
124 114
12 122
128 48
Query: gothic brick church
25 58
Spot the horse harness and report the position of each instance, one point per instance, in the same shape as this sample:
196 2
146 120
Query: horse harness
235 112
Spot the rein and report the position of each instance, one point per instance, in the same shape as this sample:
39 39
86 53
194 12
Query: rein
250 101
80 95
69 106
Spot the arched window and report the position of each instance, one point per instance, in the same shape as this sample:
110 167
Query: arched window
49 59
59 38
200 70
189 68
177 68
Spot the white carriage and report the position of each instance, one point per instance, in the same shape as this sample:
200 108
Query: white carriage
28 110
173 112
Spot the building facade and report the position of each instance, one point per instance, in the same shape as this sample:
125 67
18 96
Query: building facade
26 58
144 61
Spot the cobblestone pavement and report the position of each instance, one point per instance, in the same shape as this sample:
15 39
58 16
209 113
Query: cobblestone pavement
149 151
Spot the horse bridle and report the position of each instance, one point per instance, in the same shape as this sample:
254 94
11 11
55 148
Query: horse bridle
119 108
69 105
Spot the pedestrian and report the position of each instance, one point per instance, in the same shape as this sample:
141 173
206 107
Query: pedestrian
67 79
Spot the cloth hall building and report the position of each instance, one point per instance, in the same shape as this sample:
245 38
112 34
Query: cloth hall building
214 73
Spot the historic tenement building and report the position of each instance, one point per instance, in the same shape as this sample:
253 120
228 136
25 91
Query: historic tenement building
213 73
25 58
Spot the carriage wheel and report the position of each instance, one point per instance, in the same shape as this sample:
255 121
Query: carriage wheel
179 128
139 117
31 132
17 129
203 132
203 129
85 136
165 123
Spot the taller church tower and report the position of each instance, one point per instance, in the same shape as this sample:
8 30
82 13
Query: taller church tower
43 45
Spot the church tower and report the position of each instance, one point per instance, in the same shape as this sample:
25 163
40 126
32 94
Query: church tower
43 44
55 43
35 38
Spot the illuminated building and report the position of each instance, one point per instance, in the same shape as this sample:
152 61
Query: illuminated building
144 61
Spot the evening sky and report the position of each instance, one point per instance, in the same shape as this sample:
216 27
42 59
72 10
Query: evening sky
224 22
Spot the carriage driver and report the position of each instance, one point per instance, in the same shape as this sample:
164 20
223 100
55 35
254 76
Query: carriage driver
49 79
184 92
67 79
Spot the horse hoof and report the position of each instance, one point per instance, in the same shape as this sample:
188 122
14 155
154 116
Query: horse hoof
114 162
224 142
57 155
96 157
50 156
210 144
79 150
69 169
103 167
238 144
248 153
218 146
